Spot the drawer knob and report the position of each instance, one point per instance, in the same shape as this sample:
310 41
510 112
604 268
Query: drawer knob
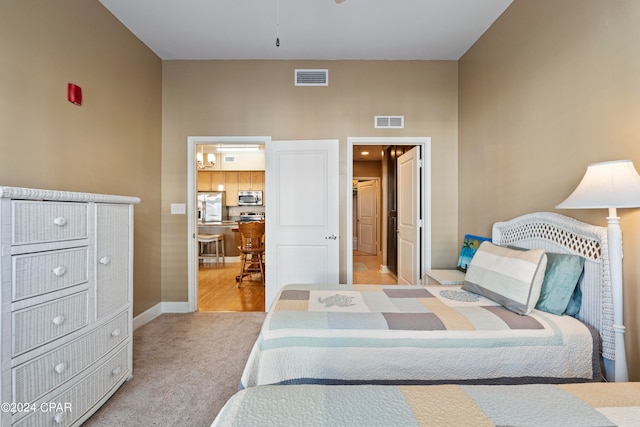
59 271
60 221
117 371
58 320
116 332
60 367
104 260
59 418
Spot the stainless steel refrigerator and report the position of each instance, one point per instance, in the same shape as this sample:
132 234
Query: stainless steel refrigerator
211 206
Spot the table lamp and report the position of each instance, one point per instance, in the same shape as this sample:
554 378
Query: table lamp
610 185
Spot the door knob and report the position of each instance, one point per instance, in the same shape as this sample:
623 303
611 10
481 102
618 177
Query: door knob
331 237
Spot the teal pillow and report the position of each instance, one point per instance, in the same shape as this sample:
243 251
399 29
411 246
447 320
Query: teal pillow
573 308
561 278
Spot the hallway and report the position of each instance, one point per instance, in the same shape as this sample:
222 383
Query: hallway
366 270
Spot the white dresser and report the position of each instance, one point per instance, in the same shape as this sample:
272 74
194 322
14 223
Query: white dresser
66 294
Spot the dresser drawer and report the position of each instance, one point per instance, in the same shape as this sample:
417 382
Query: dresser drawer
42 323
36 274
39 376
38 222
72 404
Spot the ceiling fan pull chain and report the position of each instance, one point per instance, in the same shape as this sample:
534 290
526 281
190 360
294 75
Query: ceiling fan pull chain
277 23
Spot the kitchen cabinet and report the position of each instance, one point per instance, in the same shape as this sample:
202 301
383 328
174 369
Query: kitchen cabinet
209 180
204 181
251 180
233 182
231 187
217 178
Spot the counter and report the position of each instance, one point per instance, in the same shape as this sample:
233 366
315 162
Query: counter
231 239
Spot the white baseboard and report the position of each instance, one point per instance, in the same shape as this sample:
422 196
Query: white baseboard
147 316
158 309
384 269
175 307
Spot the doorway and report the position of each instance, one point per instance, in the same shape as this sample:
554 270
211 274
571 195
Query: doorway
219 278
422 255
367 218
366 207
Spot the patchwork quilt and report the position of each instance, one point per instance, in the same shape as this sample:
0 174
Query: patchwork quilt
586 404
413 335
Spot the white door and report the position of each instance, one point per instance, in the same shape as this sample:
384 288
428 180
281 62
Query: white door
366 217
302 217
409 218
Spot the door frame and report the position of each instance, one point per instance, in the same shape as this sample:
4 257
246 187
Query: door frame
425 143
192 180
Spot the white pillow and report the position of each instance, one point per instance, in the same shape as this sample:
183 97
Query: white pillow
512 278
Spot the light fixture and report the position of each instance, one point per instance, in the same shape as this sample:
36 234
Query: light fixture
238 148
364 153
610 185
220 185
211 159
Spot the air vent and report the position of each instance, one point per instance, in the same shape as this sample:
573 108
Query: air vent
312 78
396 122
229 159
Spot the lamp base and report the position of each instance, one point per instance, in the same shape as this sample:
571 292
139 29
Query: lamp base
614 237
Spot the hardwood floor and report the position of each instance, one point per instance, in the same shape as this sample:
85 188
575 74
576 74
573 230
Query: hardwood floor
218 289
366 270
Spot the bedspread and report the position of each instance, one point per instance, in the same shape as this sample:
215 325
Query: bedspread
413 335
587 404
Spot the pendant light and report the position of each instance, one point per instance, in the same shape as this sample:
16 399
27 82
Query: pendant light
220 185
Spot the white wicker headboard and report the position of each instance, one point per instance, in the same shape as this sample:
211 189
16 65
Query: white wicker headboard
560 234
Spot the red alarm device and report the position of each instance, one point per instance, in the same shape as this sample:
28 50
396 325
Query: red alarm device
74 94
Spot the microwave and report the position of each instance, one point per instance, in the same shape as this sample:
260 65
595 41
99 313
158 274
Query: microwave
249 198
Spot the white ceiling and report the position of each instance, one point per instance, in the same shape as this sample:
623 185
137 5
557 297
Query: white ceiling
308 29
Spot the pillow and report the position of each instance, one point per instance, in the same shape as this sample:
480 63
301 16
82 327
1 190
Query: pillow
512 278
560 279
573 308
470 245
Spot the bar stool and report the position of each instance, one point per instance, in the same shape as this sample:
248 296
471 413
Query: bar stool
204 240
251 249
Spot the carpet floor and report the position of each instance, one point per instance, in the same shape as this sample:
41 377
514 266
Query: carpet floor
185 367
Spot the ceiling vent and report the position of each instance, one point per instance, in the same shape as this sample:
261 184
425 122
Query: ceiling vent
312 78
395 122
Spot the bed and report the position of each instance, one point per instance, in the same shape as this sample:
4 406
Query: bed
586 404
423 335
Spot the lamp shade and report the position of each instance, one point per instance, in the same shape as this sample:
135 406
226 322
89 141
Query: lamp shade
613 184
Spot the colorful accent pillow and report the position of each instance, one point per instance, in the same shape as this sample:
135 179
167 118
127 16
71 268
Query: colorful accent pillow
562 274
512 278
470 245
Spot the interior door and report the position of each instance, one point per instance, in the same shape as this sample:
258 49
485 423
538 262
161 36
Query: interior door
366 217
302 217
409 217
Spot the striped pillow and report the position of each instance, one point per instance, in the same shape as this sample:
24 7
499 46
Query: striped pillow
512 278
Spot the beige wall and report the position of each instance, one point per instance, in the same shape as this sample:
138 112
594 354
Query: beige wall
367 169
110 144
259 98
551 87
